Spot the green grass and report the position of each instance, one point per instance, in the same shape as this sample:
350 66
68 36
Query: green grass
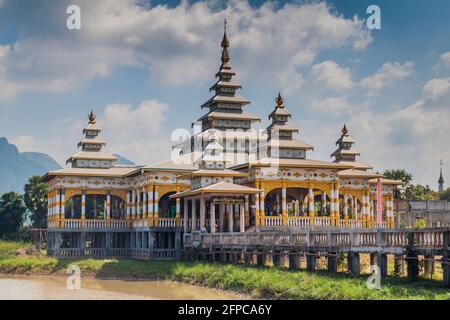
257 282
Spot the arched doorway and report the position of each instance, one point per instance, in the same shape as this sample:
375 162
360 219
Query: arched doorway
72 207
167 206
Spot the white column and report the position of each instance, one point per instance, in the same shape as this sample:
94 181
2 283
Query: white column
49 205
221 216
133 206
194 214
242 218
336 202
247 210
185 215
156 202
150 203
63 203
310 202
324 202
202 212
108 205
144 205
257 209
283 202
230 217
177 207
138 203
262 207
345 206
213 217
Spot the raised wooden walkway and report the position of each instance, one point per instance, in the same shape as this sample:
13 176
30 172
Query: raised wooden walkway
256 246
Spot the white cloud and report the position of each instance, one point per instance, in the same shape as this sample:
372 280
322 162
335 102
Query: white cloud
444 61
179 46
387 75
436 88
414 137
135 133
332 75
333 105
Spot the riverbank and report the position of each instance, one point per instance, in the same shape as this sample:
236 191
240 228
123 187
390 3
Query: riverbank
270 283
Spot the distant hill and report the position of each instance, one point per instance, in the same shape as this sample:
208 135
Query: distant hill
123 161
17 167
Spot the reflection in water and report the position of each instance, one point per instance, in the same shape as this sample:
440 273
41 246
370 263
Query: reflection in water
54 288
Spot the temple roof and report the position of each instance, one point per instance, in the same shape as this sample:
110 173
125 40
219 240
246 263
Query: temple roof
231 116
219 187
113 172
237 99
386 181
293 144
282 127
354 173
289 162
340 151
357 164
94 155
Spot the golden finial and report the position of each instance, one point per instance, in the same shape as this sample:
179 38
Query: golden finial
344 130
92 117
279 100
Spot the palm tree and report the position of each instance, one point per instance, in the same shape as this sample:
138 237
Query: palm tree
398 174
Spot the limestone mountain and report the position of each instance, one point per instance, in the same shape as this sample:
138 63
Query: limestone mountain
16 167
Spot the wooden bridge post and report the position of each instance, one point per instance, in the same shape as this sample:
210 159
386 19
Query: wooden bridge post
294 261
260 259
446 260
332 262
276 259
412 260
311 260
354 264
399 264
428 265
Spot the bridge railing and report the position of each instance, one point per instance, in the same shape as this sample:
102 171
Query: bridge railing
433 238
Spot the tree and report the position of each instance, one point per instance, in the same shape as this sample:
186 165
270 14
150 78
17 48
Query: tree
419 192
445 195
12 214
36 201
401 175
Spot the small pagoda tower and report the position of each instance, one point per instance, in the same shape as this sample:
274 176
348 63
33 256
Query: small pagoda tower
280 141
441 181
91 154
346 152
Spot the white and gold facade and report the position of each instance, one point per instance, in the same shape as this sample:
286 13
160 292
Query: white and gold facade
228 178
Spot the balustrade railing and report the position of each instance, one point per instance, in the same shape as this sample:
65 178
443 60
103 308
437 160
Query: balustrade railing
362 238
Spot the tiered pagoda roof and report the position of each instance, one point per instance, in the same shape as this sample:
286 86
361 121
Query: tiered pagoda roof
226 106
280 134
346 153
91 154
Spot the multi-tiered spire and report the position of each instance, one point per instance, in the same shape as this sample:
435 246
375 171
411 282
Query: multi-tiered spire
346 152
91 154
281 142
441 181
226 106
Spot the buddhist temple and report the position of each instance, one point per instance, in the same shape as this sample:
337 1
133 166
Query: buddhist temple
227 177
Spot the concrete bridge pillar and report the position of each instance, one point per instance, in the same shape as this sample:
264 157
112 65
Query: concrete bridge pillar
412 263
311 260
428 265
294 261
354 264
223 257
382 263
277 259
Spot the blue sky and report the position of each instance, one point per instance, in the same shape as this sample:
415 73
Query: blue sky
146 68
